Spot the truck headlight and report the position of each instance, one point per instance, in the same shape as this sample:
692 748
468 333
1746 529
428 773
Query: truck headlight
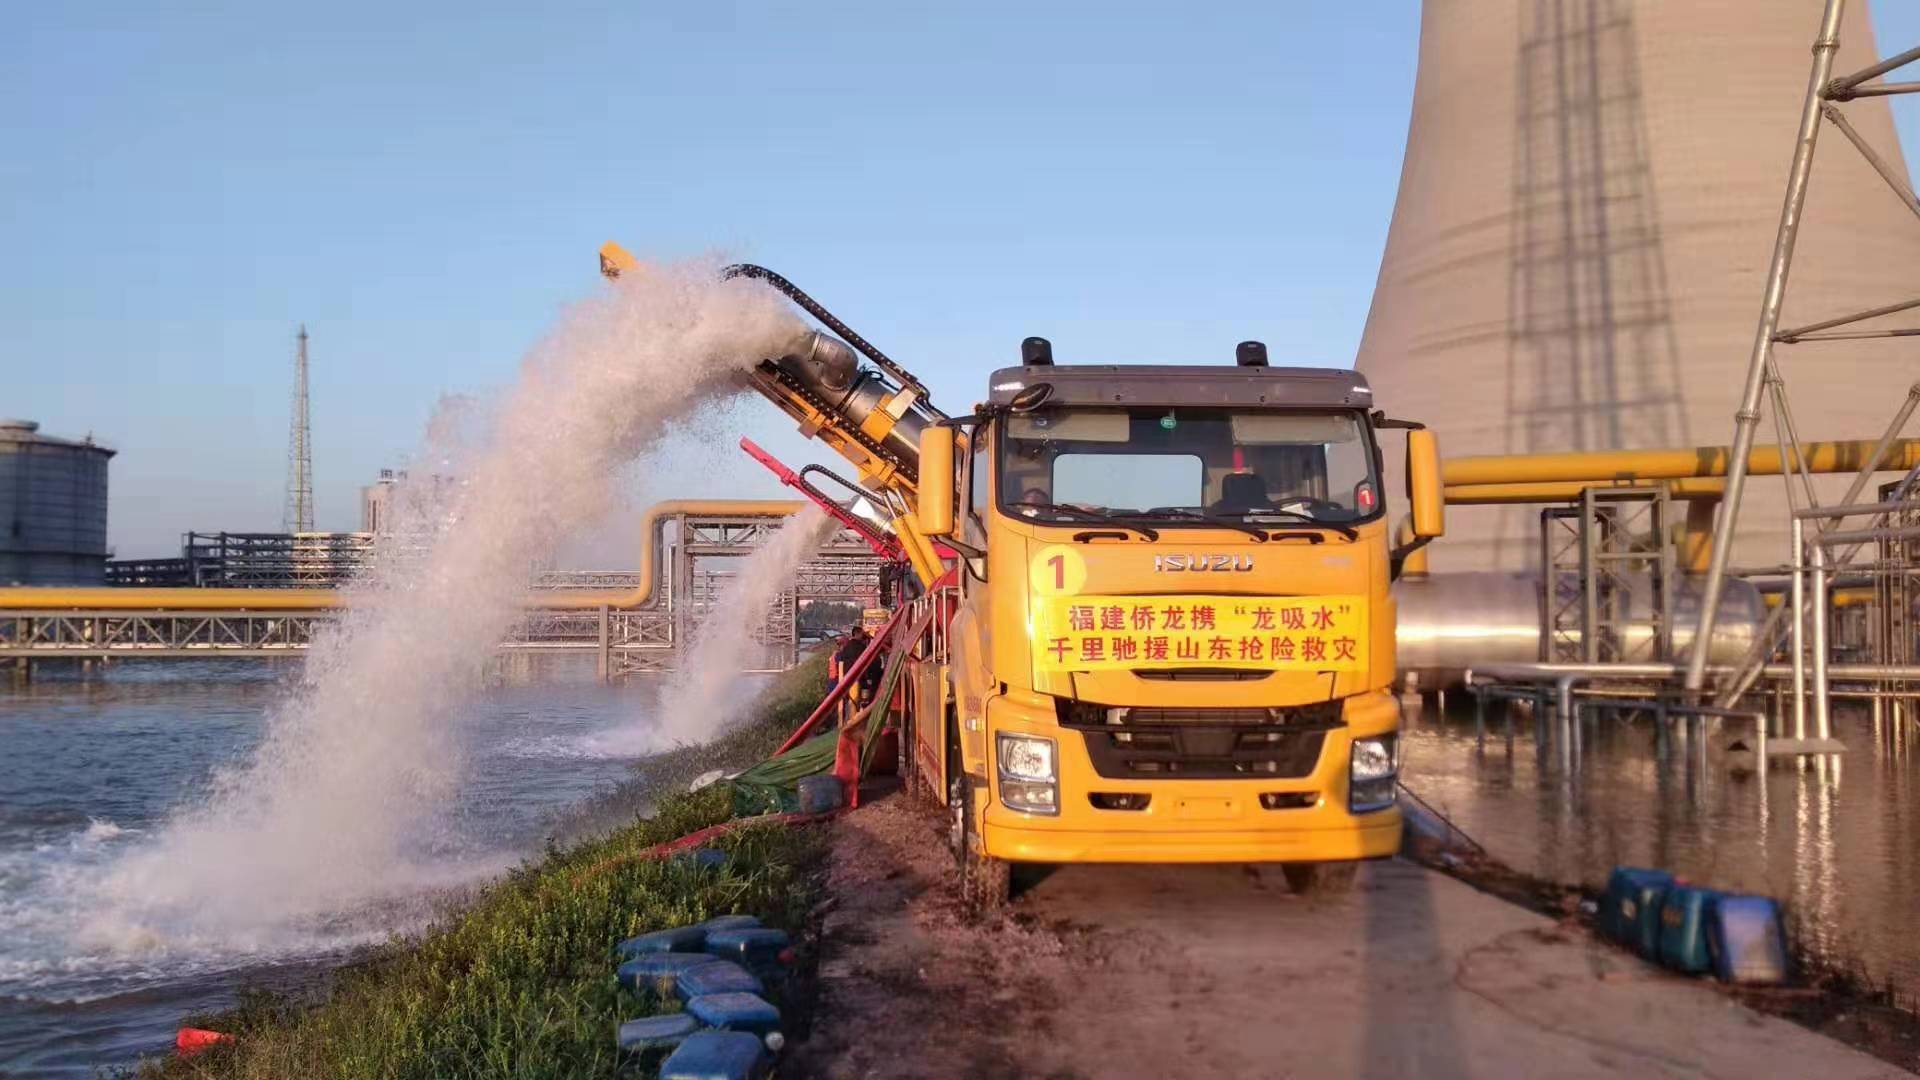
1029 781
1372 774
1026 757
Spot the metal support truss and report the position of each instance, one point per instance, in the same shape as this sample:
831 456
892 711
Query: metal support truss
1896 584
1608 577
632 640
1824 94
173 634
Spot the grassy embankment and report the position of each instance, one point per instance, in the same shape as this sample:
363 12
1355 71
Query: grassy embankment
519 982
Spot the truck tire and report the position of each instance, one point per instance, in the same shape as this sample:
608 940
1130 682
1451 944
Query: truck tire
1320 879
986 883
903 745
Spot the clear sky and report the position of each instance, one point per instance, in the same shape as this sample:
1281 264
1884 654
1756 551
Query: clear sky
424 184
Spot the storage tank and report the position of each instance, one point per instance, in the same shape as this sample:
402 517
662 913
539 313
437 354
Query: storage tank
53 508
1448 623
1586 212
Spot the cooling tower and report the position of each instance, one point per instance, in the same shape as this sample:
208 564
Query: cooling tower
1586 211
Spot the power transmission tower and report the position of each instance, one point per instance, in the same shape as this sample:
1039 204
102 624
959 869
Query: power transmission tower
298 515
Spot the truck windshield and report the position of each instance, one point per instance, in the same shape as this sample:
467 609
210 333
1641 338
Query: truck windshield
1183 464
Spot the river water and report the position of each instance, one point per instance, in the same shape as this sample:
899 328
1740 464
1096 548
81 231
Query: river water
1834 838
90 767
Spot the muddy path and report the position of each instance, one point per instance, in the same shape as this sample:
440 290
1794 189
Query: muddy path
1127 971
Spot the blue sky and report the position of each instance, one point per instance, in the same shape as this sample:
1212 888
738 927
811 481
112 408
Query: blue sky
424 185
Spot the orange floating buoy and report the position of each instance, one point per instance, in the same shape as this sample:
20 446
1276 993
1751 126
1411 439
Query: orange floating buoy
191 1041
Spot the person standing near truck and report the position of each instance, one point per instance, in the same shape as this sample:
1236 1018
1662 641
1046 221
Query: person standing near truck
844 658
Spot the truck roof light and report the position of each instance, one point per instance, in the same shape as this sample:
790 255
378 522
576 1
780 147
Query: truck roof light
1036 352
1250 354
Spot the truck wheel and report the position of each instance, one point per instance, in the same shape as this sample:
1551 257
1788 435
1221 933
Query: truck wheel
957 827
985 883
1320 879
903 746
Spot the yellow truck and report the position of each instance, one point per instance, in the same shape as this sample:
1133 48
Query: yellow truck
1157 600
1173 639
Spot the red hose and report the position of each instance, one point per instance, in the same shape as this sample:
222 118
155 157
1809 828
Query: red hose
847 679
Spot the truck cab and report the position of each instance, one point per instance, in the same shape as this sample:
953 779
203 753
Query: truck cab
1174 636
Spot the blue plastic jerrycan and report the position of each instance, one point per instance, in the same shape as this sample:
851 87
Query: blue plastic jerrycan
1630 910
1747 939
1684 914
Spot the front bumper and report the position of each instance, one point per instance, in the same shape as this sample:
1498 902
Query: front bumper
1376 837
1193 820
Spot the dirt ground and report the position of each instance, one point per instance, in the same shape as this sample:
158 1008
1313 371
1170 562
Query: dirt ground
1156 971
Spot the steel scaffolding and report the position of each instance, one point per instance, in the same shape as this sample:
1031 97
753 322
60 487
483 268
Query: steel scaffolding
1824 96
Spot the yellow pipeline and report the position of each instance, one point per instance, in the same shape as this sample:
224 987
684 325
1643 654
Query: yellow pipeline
1692 488
1639 466
1840 597
108 599
45 598
650 528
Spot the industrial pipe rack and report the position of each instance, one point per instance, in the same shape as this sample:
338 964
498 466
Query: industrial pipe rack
632 622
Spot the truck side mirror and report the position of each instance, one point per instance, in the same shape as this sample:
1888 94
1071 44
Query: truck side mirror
1425 488
936 484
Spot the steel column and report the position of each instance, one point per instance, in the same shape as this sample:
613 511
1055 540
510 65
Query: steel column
1748 416
1798 600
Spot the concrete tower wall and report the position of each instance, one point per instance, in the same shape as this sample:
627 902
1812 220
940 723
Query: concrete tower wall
1586 211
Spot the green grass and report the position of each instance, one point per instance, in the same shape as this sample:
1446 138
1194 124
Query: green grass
519 982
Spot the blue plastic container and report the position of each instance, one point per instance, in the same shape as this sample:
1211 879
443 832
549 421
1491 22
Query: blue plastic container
678 939
747 945
716 977
730 922
819 794
716 1055
1630 910
649 1032
705 858
1684 914
736 1012
660 972
1748 940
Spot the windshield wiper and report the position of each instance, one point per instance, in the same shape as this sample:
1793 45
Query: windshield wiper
1081 514
1249 527
1254 531
1344 530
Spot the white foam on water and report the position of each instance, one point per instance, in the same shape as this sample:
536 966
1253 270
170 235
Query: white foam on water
100 830
708 693
339 817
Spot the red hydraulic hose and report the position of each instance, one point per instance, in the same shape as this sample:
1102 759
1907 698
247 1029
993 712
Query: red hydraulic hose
847 679
852 674
883 545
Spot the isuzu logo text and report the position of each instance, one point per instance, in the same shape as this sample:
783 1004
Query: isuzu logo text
1167 564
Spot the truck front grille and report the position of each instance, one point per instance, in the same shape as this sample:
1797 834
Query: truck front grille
1202 674
1145 743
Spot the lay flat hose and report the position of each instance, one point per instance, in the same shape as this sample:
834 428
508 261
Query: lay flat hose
827 319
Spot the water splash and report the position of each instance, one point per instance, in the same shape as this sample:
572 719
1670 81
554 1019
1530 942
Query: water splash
707 693
341 811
